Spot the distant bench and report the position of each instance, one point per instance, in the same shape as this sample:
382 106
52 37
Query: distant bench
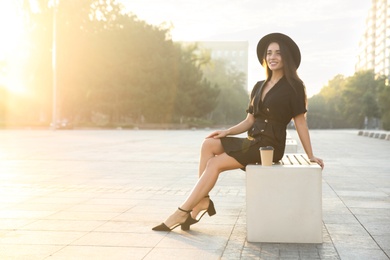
288 135
375 134
284 201
291 146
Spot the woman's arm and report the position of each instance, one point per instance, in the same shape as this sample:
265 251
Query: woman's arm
241 127
304 136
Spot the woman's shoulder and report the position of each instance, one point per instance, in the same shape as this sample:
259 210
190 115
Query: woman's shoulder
258 84
256 87
296 84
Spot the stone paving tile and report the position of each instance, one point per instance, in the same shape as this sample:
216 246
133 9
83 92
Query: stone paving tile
96 195
9 213
178 254
30 252
131 225
121 239
13 224
62 225
99 253
354 241
38 237
361 254
383 242
334 218
77 215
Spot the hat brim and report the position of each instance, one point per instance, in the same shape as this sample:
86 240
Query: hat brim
266 40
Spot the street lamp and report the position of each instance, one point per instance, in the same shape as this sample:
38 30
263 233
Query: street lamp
54 65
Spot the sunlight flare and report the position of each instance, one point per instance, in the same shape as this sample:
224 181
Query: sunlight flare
12 39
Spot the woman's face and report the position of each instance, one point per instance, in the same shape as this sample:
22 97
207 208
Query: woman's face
273 57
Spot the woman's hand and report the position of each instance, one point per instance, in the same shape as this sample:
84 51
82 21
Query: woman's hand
218 134
240 128
318 160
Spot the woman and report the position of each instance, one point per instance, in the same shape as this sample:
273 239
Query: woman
274 102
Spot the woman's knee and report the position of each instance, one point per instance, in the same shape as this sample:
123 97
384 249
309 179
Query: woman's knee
214 165
222 163
212 145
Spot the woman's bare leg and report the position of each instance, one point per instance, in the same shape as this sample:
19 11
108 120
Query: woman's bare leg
210 148
206 182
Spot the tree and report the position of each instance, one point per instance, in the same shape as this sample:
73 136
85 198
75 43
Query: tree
347 102
317 117
359 98
195 95
114 66
384 104
233 99
324 109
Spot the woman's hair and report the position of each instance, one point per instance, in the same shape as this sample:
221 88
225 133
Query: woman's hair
289 67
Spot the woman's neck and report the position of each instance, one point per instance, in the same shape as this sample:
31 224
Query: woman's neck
276 77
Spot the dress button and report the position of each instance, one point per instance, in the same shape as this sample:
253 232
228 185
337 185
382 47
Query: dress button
266 120
262 130
267 109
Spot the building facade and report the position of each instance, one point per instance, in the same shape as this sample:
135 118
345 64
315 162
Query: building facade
374 47
235 53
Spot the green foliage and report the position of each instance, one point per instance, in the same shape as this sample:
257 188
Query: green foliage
233 99
325 108
195 95
359 98
317 117
384 105
112 68
348 102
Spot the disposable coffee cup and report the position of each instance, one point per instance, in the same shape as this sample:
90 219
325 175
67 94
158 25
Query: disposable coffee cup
266 155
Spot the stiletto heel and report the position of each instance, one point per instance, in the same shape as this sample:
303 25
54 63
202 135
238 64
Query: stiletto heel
210 210
184 226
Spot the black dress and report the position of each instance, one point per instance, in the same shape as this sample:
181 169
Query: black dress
272 115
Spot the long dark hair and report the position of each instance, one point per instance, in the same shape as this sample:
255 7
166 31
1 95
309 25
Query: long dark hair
289 67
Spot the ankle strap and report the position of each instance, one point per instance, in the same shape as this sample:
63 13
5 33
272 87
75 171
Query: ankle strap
186 211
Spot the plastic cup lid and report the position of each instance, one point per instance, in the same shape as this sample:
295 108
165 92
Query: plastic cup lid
266 148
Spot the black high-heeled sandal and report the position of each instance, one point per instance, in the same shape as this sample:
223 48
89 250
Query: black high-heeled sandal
184 226
210 210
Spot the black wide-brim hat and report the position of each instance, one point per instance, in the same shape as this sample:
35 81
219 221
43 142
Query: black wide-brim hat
278 37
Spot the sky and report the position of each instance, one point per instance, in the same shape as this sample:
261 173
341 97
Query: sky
327 31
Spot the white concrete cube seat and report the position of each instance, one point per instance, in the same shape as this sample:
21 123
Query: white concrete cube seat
284 201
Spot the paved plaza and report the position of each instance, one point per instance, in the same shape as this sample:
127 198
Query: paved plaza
95 194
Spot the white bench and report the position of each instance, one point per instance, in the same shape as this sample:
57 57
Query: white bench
291 146
284 201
